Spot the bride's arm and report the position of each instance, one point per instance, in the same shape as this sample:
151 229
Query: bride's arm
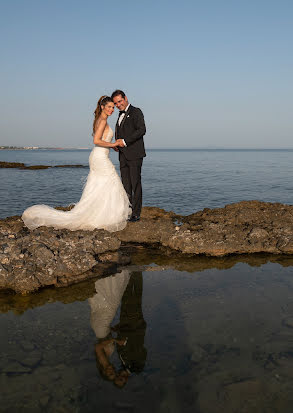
99 133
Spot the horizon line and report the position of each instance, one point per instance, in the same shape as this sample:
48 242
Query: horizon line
34 147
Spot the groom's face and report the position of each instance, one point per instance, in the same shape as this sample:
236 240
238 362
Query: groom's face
120 102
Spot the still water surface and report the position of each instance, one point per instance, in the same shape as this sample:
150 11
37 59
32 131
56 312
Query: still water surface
211 335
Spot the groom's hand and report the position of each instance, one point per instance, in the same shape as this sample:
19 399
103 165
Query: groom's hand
116 149
120 143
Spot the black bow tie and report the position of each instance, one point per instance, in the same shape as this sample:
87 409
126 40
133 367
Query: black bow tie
121 111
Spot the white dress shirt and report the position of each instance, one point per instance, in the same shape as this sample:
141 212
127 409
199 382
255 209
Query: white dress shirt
121 117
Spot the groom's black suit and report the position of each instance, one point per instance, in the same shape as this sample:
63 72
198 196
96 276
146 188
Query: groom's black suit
132 129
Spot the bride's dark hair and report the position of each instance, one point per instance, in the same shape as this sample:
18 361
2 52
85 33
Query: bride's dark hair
102 101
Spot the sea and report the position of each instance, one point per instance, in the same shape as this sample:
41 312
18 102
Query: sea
183 181
201 334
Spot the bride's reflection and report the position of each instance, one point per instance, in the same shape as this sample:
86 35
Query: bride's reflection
126 288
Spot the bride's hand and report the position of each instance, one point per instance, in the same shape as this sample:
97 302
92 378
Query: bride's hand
120 143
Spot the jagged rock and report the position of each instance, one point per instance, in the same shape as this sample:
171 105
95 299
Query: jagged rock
43 257
33 259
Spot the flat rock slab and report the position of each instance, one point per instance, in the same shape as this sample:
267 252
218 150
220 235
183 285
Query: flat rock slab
30 260
242 228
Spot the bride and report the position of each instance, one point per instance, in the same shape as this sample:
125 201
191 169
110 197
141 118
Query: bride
104 202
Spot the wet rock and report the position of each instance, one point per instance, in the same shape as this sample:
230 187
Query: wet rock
120 405
284 368
288 322
32 359
115 257
20 165
41 390
14 367
50 356
11 164
44 400
249 395
27 346
198 354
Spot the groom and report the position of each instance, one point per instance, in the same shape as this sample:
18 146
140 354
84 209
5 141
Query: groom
130 128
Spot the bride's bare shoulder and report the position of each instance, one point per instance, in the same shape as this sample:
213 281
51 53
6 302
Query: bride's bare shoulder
100 126
101 123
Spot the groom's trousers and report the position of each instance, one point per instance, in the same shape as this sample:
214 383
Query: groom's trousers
131 178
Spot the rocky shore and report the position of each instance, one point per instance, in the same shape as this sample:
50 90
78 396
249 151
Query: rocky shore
44 257
20 165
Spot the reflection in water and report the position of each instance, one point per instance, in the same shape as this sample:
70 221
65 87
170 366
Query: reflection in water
217 341
183 262
105 302
130 330
142 258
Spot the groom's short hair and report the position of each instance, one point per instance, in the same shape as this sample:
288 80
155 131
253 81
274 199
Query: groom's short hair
118 93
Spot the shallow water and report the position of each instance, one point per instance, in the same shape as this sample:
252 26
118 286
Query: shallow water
217 337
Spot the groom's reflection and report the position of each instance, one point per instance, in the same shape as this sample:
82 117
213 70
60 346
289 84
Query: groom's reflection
130 330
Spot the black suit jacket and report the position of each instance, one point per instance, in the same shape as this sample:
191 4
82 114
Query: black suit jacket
132 130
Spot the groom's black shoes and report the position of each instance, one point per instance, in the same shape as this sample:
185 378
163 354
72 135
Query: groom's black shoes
134 218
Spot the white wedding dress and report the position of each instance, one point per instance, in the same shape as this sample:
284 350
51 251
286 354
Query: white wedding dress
103 204
105 302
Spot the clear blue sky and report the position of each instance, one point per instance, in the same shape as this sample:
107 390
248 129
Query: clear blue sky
205 73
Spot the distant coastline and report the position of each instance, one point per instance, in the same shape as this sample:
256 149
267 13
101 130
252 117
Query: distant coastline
32 148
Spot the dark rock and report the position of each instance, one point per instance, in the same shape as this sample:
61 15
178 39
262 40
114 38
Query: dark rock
242 228
116 257
14 367
27 346
43 257
34 167
70 166
11 164
20 165
288 322
32 359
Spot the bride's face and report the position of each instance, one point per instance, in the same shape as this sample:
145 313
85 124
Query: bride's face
108 109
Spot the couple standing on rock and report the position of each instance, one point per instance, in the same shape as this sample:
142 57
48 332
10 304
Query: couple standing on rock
106 202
